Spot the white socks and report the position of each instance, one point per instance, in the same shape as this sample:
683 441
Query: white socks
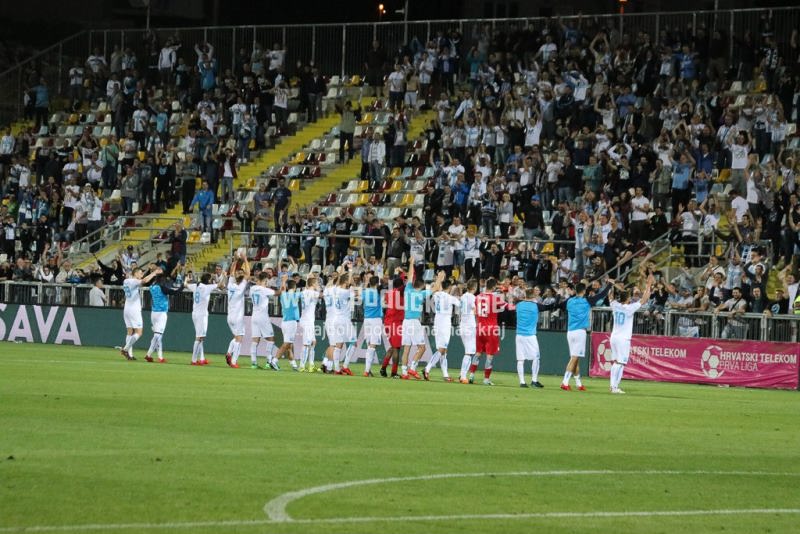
237 347
465 363
337 353
578 380
616 375
348 355
535 369
521 371
368 361
433 361
310 362
197 352
254 352
443 366
567 376
156 346
129 342
230 346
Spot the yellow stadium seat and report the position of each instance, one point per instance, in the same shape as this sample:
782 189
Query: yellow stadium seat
141 155
367 118
251 183
299 158
408 198
363 185
73 119
294 185
396 172
355 80
194 237
396 186
548 248
363 199
724 175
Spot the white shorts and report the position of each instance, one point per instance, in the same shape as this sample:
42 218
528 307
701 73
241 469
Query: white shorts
236 324
527 348
442 332
351 332
413 333
576 339
309 333
373 331
340 331
159 322
620 349
330 331
289 330
261 327
468 334
133 318
200 321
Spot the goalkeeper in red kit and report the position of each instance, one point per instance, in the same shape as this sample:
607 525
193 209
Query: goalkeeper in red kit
487 305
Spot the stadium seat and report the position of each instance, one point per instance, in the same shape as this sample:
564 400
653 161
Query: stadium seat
363 185
294 185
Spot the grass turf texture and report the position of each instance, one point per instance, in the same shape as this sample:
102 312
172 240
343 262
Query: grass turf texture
98 440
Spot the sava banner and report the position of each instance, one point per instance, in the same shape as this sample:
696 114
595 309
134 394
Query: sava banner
757 364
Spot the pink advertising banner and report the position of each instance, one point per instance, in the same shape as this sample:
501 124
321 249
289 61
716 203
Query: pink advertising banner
757 364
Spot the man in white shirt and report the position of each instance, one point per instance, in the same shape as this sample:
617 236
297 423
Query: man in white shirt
443 303
456 233
139 121
238 280
738 204
376 158
132 313
641 207
623 311
396 83
166 62
97 297
548 50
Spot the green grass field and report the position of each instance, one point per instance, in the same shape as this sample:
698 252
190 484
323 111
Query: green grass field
92 443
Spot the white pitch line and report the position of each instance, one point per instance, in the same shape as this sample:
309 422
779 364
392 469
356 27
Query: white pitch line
276 508
393 519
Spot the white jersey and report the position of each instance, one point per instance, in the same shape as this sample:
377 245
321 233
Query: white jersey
341 304
468 309
236 297
309 297
260 296
201 294
327 297
133 300
443 307
623 318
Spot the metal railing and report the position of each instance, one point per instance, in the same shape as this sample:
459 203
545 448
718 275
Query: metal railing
341 48
722 325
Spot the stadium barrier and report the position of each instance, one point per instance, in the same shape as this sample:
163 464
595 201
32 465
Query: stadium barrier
759 364
104 327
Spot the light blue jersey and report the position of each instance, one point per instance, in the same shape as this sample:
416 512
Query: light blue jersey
290 305
160 300
578 309
527 318
415 301
372 304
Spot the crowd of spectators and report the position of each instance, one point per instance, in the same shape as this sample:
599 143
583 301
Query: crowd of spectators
559 151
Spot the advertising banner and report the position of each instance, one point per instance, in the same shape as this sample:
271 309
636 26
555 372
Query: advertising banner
758 364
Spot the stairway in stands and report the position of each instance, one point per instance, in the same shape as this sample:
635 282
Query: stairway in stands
246 175
313 191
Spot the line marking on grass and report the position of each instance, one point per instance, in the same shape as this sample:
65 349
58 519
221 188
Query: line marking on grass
394 519
276 508
277 515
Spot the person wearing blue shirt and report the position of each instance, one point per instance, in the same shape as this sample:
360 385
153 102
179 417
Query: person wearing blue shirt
41 102
526 343
681 174
159 294
204 200
413 334
290 309
373 321
578 311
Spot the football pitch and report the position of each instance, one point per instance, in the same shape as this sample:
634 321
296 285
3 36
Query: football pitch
92 443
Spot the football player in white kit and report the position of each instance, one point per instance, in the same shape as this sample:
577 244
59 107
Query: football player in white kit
201 295
238 280
443 302
309 298
260 323
351 334
133 309
330 316
341 320
468 328
623 310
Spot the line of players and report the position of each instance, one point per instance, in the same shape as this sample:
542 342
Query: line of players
397 315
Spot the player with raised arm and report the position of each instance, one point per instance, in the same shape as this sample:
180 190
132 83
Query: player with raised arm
260 322
309 298
487 305
290 309
578 310
413 334
330 317
201 295
468 328
443 302
132 313
238 280
623 310
159 293
373 322
527 344
351 335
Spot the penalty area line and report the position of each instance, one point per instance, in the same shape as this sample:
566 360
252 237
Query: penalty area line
393 519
